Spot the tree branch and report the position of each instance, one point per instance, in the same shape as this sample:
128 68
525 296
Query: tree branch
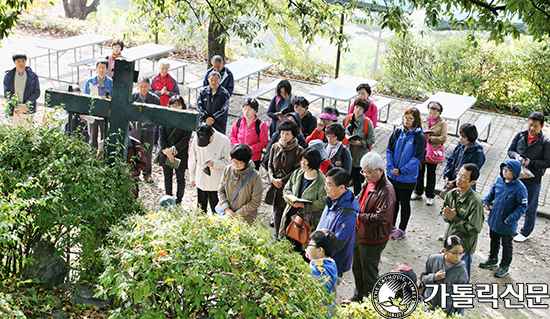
193 9
493 10
224 29
539 8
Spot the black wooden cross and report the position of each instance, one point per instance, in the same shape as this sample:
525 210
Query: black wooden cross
119 110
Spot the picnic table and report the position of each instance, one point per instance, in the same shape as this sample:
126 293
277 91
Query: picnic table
341 89
61 46
145 51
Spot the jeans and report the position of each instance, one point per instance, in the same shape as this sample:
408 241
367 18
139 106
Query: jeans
205 197
507 247
180 177
147 139
533 191
403 198
467 258
365 267
430 182
357 179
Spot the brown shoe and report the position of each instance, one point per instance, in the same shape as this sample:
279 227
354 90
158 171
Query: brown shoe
148 179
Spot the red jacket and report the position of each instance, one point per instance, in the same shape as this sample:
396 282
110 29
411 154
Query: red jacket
325 166
159 82
320 135
376 218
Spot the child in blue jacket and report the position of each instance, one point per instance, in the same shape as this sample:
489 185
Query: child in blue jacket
509 198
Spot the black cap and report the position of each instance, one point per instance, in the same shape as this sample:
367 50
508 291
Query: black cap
204 132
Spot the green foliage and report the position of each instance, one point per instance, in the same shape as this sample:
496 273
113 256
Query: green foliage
365 310
185 264
9 14
512 78
8 307
54 187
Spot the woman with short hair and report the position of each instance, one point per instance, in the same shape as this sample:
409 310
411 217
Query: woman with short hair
163 84
404 153
241 186
278 103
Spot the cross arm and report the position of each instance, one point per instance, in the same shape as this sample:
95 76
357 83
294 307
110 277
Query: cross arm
78 103
161 115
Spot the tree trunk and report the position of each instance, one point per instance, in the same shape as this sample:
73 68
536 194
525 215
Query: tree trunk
77 9
216 44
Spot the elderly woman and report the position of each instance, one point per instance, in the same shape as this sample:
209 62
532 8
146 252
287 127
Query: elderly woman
468 150
404 153
307 183
163 85
435 131
213 103
241 186
174 143
251 131
278 103
377 200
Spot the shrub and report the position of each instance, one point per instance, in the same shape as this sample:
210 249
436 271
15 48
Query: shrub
365 310
53 187
185 264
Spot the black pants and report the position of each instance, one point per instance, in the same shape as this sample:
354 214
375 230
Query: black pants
430 181
365 267
205 197
97 130
257 164
147 139
180 177
278 215
357 179
507 248
403 197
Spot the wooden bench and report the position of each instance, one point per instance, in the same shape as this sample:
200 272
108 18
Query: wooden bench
79 64
193 86
174 65
34 57
382 104
483 123
312 98
397 122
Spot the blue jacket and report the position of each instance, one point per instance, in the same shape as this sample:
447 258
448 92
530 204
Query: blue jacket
214 105
106 87
32 89
459 156
405 152
509 201
340 217
326 270
227 80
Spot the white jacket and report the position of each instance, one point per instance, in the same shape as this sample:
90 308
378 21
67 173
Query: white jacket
218 151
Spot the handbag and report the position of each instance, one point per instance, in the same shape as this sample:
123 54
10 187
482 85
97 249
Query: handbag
435 155
219 209
299 229
156 158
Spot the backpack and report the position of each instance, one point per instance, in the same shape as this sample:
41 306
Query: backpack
257 125
365 125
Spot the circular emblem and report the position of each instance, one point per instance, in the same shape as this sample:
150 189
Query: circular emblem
394 295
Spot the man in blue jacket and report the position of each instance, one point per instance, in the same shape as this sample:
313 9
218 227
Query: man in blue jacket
532 149
21 83
227 81
509 199
213 103
340 217
99 85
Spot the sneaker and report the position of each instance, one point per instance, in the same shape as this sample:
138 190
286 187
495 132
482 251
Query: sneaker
429 201
502 271
393 229
399 234
491 262
414 196
441 238
272 223
520 238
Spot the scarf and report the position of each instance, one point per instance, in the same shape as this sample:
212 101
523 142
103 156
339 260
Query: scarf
332 150
280 157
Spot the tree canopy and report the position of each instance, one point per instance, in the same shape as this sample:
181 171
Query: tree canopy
9 13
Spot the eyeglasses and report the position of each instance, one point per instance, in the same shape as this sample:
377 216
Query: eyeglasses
463 176
456 253
329 186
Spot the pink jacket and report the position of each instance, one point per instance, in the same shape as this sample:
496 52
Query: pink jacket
372 113
248 136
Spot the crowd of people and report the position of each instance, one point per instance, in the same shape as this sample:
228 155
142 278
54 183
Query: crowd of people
322 170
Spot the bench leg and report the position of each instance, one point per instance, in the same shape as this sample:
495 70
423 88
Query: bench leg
258 86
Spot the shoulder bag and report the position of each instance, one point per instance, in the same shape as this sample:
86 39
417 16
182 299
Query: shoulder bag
219 209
